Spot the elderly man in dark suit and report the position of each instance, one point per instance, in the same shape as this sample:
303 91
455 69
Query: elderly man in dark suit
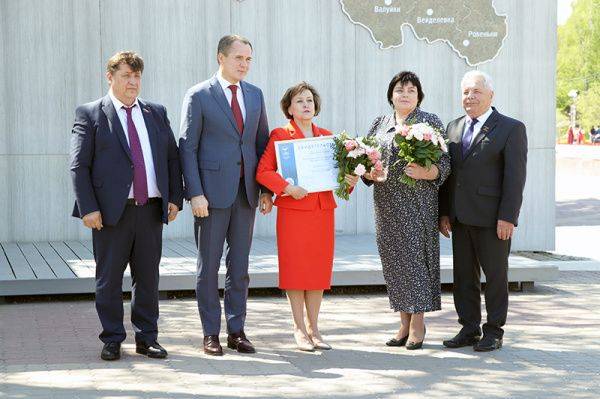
127 180
480 204
224 132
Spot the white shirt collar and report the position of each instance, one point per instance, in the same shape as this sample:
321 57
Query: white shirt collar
118 104
482 118
225 83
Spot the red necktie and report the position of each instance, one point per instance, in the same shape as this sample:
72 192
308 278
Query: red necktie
235 108
140 183
237 115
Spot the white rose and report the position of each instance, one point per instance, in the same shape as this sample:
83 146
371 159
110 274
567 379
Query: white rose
360 170
418 134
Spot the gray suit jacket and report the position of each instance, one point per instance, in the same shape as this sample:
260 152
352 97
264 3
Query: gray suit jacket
212 148
486 184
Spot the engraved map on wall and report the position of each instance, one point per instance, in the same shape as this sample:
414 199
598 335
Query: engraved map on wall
472 28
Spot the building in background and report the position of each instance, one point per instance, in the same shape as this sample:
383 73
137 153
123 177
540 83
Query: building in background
53 53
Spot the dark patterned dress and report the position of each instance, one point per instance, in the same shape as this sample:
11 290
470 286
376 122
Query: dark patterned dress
407 224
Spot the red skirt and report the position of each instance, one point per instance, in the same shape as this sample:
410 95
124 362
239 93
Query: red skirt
305 241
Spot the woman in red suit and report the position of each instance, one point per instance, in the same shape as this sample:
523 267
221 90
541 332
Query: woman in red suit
305 222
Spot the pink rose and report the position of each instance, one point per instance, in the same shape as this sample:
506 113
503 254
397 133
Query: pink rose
350 145
404 131
378 166
373 154
427 136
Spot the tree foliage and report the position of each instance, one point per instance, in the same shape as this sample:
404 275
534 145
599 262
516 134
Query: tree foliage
588 106
578 62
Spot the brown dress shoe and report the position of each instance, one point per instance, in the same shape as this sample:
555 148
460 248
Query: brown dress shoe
239 342
212 346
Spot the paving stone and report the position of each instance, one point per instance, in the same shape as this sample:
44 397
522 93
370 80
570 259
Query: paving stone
552 349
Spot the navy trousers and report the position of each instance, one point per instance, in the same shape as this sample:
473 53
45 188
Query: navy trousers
137 240
233 225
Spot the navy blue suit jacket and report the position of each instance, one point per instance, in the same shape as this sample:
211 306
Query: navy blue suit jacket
101 165
212 148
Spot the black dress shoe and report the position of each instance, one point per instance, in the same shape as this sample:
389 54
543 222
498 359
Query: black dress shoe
488 344
111 351
212 346
461 340
240 343
416 345
397 342
153 350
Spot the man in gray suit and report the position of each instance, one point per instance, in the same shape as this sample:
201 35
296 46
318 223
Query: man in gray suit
480 203
224 132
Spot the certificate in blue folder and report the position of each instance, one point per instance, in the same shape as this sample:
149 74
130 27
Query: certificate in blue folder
287 162
308 163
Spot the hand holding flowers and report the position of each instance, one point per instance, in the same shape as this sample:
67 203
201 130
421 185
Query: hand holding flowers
420 146
355 157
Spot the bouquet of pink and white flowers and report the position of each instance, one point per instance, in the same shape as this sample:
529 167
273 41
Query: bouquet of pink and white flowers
355 156
419 143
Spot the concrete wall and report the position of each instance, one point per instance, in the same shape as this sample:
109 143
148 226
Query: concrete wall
52 57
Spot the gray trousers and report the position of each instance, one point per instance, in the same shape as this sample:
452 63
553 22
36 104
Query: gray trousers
233 225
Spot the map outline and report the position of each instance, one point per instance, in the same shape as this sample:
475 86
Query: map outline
381 46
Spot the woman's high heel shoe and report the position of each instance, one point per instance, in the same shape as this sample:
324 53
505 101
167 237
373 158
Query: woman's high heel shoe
397 342
416 345
319 343
303 342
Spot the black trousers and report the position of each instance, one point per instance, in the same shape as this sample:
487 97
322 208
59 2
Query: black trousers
474 249
137 240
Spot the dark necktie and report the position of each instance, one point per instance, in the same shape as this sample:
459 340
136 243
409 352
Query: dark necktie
468 136
140 184
235 108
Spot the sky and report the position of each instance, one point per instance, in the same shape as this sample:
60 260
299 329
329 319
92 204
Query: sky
564 11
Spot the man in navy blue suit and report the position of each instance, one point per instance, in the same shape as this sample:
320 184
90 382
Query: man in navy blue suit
224 132
127 181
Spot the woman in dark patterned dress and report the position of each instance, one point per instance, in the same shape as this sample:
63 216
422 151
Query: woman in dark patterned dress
407 217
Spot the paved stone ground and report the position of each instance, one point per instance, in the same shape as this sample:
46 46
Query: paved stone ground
552 341
552 349
578 201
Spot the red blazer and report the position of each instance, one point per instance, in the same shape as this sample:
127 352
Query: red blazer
266 172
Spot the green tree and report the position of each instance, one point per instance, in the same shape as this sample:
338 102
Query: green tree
578 62
588 107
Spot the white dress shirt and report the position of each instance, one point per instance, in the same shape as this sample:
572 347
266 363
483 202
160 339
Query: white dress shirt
480 121
140 126
229 95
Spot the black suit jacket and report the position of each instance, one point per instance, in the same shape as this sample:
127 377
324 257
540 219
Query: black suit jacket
101 165
486 185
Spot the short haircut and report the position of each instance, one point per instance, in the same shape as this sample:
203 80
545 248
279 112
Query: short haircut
474 74
404 78
133 59
286 100
226 41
